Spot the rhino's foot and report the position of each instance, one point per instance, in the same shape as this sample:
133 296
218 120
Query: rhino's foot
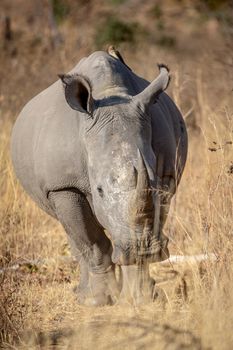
85 298
100 290
138 287
137 295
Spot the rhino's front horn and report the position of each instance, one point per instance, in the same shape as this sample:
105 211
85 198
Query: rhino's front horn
151 92
141 205
143 180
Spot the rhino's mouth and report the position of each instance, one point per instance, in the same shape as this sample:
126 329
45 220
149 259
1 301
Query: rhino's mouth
146 253
132 257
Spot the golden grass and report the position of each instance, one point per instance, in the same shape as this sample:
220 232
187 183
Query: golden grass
38 307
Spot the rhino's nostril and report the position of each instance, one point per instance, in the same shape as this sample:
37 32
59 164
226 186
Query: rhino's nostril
100 191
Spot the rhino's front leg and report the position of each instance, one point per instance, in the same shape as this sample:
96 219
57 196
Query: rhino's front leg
89 243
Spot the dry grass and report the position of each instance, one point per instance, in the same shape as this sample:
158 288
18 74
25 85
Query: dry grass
38 309
198 307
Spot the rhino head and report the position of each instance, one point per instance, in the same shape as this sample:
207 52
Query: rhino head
121 165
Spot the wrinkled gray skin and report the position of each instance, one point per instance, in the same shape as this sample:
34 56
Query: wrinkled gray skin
102 151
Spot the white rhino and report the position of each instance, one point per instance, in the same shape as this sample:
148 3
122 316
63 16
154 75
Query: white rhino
103 150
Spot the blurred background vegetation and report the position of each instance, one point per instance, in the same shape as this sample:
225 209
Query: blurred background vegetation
44 37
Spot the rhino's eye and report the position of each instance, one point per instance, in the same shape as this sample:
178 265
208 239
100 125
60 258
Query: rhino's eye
100 191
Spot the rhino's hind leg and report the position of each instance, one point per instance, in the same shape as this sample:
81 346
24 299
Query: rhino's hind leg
97 282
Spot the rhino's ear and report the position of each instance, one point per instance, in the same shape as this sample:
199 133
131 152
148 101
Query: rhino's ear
78 92
150 94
